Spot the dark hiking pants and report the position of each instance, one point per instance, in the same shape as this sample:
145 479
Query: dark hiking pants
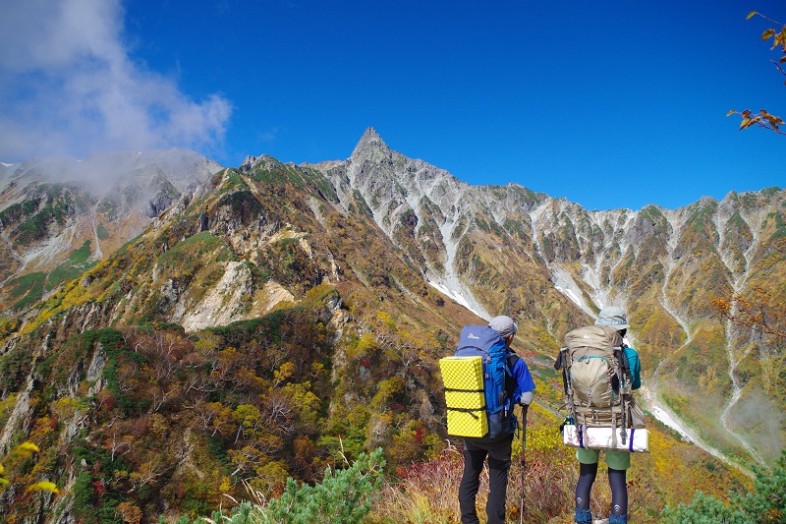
475 453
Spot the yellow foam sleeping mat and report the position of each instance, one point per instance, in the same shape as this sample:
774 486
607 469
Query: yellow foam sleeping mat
466 402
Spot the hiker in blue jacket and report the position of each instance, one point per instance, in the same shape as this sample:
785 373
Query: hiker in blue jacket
497 450
617 461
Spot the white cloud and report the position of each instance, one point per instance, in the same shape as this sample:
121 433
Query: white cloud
68 85
271 135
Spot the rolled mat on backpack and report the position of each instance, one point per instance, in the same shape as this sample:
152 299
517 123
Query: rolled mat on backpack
464 396
634 440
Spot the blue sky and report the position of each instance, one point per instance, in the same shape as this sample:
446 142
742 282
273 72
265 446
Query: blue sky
607 103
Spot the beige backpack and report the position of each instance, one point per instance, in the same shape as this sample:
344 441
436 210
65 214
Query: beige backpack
597 380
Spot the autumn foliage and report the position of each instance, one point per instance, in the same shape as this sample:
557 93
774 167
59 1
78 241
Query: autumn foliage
764 118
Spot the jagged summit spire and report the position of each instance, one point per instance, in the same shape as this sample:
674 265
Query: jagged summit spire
370 132
370 143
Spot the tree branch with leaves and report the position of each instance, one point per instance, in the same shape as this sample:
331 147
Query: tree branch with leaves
764 118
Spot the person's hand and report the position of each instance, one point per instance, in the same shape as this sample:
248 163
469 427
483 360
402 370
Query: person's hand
526 398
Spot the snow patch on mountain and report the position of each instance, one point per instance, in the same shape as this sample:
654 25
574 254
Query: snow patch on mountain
564 283
460 297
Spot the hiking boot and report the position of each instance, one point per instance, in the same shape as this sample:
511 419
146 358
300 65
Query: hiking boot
583 516
600 521
618 519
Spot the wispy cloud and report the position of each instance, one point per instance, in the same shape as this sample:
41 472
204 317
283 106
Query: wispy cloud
271 135
68 85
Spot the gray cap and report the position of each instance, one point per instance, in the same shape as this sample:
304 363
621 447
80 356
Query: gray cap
504 326
613 316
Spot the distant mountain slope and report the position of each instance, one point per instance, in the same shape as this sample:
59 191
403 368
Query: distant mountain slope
552 264
273 309
58 216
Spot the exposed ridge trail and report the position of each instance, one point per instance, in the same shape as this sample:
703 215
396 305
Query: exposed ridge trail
737 284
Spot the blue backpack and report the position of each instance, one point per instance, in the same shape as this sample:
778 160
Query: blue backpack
498 384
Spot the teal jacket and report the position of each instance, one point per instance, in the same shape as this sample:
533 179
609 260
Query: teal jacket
635 367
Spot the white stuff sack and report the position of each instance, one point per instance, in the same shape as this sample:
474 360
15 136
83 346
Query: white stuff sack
601 438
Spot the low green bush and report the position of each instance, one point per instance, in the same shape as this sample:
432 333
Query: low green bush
344 496
765 504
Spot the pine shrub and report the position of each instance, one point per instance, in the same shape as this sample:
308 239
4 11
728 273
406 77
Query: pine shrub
765 504
344 496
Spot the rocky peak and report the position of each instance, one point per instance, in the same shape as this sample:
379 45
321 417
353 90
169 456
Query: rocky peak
264 161
371 147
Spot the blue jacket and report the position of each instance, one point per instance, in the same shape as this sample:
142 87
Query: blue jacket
524 382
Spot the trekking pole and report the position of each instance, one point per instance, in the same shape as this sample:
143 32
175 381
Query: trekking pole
524 409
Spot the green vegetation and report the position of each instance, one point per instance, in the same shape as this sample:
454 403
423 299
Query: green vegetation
270 171
343 496
651 214
119 356
701 220
193 263
35 215
766 503
323 186
102 232
27 289
361 204
232 180
19 210
76 264
185 253
780 227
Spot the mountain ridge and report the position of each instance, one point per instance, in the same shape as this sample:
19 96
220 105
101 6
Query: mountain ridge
340 284
591 258
590 255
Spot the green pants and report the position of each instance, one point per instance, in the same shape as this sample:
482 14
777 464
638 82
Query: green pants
614 459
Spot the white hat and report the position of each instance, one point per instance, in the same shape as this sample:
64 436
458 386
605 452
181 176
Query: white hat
613 316
504 326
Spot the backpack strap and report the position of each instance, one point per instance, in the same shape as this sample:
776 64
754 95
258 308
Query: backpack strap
510 383
611 410
625 381
561 363
622 358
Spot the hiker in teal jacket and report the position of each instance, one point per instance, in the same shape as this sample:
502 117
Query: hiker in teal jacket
617 461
